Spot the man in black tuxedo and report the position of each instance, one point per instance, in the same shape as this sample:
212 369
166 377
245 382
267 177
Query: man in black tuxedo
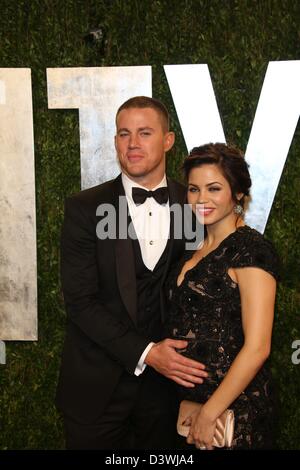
115 386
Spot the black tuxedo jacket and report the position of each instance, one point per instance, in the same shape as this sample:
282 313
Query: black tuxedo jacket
99 287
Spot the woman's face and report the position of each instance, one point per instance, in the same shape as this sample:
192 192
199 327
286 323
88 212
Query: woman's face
210 195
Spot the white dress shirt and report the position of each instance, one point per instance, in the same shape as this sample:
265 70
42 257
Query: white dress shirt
151 222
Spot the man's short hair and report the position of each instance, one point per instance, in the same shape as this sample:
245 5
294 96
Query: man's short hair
147 102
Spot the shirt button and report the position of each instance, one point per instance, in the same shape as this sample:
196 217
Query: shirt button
150 213
151 242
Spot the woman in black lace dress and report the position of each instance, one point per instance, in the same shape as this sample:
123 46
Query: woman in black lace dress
221 298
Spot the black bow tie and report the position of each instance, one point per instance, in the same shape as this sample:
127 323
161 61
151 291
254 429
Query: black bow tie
161 195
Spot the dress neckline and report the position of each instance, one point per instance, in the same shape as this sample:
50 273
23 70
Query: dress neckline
208 254
223 241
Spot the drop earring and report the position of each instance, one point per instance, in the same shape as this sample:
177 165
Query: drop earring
238 209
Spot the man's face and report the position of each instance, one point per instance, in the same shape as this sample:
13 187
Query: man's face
141 143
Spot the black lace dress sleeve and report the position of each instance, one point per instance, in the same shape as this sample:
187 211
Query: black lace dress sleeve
256 251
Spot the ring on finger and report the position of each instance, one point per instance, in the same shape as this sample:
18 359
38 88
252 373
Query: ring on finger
200 446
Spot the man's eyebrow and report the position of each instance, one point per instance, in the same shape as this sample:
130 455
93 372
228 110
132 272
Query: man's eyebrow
145 128
124 129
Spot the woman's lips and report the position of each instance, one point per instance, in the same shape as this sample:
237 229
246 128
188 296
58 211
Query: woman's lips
203 211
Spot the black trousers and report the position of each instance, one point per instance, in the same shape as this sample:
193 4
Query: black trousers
141 414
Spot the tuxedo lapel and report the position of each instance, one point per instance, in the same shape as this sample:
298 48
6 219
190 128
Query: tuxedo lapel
125 263
175 197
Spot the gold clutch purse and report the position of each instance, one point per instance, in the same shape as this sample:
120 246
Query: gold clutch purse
224 427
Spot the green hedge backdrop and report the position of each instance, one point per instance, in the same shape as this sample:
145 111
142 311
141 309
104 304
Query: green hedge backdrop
237 39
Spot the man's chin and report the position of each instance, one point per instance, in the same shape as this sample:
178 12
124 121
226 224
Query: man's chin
135 173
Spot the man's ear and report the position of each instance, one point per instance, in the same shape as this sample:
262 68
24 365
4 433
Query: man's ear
115 140
169 140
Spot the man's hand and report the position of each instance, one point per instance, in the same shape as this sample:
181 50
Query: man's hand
165 360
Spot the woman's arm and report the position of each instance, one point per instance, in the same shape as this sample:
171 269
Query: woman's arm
257 290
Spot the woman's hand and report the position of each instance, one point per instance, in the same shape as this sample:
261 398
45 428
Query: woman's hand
202 430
